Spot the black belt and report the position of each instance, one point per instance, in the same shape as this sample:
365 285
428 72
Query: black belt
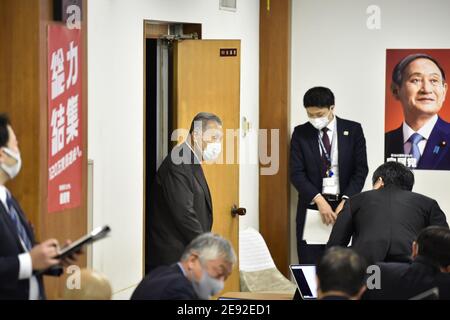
331 197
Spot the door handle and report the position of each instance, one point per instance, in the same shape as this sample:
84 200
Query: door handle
235 211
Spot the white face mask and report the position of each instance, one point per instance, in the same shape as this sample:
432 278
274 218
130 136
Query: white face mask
207 286
212 151
319 123
12 171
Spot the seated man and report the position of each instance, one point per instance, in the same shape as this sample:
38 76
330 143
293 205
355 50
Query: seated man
384 222
430 269
341 275
205 265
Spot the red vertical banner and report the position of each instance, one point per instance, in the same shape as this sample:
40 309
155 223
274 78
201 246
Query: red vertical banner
65 144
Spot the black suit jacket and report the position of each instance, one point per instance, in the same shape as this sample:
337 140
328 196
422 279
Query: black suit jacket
385 222
436 154
180 208
306 163
10 248
165 283
401 281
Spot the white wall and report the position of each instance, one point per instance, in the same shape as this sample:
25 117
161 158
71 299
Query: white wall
115 62
331 46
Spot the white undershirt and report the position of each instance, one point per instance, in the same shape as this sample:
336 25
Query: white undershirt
25 263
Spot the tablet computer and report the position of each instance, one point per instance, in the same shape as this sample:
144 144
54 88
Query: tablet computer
95 235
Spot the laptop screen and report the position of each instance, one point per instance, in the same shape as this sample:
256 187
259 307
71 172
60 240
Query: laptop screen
305 277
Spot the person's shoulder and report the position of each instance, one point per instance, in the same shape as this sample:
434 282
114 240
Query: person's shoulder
394 133
362 195
443 125
303 127
348 123
415 195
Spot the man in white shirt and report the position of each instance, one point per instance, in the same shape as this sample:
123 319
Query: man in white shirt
418 83
21 259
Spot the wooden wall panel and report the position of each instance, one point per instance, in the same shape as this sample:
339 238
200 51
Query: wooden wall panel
23 95
274 208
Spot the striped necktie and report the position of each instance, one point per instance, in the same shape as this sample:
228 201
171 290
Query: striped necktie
415 152
14 215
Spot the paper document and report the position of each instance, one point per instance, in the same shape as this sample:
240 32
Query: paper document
315 231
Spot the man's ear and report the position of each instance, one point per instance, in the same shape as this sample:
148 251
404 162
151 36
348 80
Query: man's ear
395 91
415 250
3 155
445 90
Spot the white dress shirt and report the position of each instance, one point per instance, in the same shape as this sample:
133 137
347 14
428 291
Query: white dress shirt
425 132
332 136
25 263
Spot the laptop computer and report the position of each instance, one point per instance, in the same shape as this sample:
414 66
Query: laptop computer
305 279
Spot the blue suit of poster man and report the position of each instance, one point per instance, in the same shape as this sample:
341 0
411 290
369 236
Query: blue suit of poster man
418 83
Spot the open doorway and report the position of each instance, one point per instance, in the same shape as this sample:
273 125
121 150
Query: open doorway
158 98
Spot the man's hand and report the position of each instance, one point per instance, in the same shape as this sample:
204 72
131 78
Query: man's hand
340 207
326 213
72 259
43 255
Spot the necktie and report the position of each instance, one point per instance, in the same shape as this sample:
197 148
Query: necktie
327 146
415 152
19 226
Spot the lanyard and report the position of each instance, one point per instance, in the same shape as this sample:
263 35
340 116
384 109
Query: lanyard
324 151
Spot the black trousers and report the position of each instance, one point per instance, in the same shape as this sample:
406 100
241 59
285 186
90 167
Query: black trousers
308 253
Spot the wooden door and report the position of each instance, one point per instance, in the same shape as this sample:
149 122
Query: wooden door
207 79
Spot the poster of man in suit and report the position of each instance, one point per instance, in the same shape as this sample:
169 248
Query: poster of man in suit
417 132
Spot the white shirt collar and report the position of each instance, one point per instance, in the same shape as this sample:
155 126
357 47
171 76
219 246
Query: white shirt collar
425 131
332 125
3 195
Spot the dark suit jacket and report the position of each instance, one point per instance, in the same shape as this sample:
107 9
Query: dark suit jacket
401 281
165 283
385 222
180 208
437 150
306 163
10 248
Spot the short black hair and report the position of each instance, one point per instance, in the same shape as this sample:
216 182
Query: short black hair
341 269
318 97
394 173
204 118
434 244
4 134
397 74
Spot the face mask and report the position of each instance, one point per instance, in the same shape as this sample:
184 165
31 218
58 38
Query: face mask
212 151
319 123
207 286
12 171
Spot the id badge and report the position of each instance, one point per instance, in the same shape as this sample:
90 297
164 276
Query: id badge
330 186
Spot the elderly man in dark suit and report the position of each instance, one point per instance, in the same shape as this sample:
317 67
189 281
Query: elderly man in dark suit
384 222
418 83
181 204
203 268
328 164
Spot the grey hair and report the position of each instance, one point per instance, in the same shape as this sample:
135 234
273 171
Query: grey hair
210 246
203 118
